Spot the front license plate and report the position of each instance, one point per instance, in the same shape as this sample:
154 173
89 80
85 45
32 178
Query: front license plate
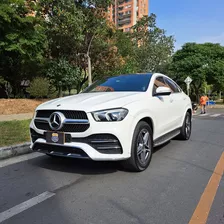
55 137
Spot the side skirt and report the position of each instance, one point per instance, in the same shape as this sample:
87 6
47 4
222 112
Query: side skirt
165 138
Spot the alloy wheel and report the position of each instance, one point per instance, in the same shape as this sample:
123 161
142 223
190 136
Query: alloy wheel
144 146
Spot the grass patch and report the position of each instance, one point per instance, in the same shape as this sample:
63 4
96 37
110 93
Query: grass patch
14 132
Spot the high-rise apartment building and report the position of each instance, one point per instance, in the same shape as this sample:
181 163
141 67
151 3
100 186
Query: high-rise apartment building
125 13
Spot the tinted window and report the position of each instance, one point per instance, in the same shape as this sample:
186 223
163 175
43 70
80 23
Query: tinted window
158 83
172 85
129 83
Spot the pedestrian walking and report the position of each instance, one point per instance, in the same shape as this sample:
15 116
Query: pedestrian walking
203 100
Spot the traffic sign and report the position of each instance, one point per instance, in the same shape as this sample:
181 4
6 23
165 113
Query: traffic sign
188 80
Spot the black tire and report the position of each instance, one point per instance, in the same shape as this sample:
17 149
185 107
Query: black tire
135 162
185 133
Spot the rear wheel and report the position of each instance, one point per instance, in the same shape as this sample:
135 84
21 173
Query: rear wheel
185 133
141 151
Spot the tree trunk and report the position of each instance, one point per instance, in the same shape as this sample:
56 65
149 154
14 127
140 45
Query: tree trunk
80 84
60 91
197 91
197 95
221 95
78 87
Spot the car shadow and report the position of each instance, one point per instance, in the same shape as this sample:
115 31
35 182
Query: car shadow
79 166
158 148
82 166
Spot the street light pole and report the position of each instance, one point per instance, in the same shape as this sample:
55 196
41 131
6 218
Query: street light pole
89 70
89 62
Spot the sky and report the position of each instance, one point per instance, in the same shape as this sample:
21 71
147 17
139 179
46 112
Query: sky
190 20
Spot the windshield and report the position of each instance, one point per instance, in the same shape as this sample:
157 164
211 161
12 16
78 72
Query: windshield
122 83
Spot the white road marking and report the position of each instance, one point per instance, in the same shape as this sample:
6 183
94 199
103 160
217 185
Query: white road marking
25 205
203 115
215 115
18 159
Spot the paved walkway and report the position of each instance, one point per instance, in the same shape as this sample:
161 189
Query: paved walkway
16 117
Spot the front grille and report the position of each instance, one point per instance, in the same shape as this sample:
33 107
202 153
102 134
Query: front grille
66 128
69 114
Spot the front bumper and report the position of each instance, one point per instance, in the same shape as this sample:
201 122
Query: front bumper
102 141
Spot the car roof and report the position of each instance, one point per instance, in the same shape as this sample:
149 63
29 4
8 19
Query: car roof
160 74
147 74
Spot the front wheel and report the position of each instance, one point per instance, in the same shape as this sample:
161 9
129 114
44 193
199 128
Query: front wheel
185 133
142 146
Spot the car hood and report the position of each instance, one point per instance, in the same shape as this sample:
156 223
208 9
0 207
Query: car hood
91 101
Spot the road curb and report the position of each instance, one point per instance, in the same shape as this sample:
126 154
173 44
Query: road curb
14 150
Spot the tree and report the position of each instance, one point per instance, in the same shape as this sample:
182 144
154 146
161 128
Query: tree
153 48
202 62
126 49
101 4
22 42
62 74
63 25
216 75
39 87
76 30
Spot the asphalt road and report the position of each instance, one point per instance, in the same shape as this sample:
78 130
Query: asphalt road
211 114
77 191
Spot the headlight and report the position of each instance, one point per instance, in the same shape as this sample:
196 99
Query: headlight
110 115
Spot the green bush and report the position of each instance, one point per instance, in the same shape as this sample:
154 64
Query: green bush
39 88
53 92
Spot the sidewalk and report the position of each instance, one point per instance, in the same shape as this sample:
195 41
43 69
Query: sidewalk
16 117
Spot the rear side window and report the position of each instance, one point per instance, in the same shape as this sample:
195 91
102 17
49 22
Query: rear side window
172 85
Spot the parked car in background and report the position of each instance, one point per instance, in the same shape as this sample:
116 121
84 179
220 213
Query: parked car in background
117 118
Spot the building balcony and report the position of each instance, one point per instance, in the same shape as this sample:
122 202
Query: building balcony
124 21
124 16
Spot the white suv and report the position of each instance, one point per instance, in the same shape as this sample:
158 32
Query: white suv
116 118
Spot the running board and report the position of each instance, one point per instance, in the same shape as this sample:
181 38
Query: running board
165 138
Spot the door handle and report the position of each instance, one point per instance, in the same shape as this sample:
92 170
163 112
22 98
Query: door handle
171 100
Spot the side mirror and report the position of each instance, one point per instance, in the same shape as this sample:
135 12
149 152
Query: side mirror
162 91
